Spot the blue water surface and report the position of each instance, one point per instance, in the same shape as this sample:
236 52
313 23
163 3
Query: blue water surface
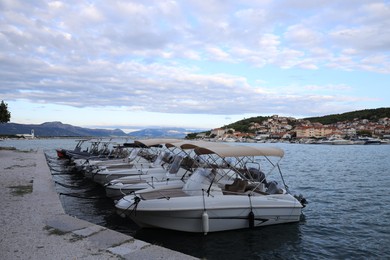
347 217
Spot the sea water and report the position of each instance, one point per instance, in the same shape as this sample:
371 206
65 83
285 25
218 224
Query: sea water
347 216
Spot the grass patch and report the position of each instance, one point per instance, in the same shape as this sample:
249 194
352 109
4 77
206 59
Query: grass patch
20 166
57 232
54 231
75 238
21 190
27 151
11 148
7 148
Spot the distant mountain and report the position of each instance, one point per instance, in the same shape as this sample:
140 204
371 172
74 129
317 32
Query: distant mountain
58 129
52 129
161 132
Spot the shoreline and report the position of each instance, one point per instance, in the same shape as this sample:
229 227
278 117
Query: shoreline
35 225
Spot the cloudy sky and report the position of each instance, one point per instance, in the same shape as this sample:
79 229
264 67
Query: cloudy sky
194 64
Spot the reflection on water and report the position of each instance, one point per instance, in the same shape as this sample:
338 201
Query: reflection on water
267 242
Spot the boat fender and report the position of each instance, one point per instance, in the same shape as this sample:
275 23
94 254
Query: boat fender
251 218
205 222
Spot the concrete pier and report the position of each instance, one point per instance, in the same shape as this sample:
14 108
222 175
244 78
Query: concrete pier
35 226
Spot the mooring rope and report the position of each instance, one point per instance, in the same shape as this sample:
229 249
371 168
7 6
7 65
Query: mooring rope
53 169
68 186
66 173
134 210
81 197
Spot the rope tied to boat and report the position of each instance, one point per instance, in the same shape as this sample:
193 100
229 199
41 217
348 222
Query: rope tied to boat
94 172
251 215
135 203
68 186
85 162
204 202
53 169
81 197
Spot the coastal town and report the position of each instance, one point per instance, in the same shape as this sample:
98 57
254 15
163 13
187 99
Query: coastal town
300 130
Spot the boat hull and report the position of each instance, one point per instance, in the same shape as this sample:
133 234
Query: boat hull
226 212
120 190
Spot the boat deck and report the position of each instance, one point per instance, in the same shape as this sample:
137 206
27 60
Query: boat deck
158 194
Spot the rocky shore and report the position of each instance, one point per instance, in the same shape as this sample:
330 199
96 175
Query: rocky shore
35 226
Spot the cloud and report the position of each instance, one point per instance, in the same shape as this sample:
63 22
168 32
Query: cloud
331 88
150 56
151 87
301 36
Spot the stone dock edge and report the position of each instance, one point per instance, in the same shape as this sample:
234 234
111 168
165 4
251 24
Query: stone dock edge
97 239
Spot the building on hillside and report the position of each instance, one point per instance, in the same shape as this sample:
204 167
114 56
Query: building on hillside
349 131
218 132
384 121
201 135
379 130
313 132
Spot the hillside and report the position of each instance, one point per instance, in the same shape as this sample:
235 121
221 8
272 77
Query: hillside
370 114
244 124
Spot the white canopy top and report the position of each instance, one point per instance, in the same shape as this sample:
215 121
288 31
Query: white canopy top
152 142
194 144
240 150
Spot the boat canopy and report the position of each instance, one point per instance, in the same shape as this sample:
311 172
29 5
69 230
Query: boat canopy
238 151
154 142
194 144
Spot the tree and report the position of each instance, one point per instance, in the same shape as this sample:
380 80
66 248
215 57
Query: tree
5 115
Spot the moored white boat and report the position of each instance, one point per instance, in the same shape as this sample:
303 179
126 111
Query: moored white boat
207 203
105 173
120 187
103 176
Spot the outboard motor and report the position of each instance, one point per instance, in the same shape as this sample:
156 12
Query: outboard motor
257 175
274 188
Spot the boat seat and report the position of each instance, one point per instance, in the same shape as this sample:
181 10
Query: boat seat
255 188
237 186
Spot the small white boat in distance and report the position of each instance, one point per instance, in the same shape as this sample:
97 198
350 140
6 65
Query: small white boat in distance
336 140
206 203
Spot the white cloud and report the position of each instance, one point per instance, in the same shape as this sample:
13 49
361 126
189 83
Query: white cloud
330 88
217 53
193 57
302 37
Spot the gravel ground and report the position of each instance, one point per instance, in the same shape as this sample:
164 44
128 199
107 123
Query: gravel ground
33 224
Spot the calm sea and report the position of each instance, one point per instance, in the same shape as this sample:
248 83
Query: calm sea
348 215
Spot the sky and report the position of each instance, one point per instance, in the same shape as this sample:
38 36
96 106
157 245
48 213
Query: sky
193 64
